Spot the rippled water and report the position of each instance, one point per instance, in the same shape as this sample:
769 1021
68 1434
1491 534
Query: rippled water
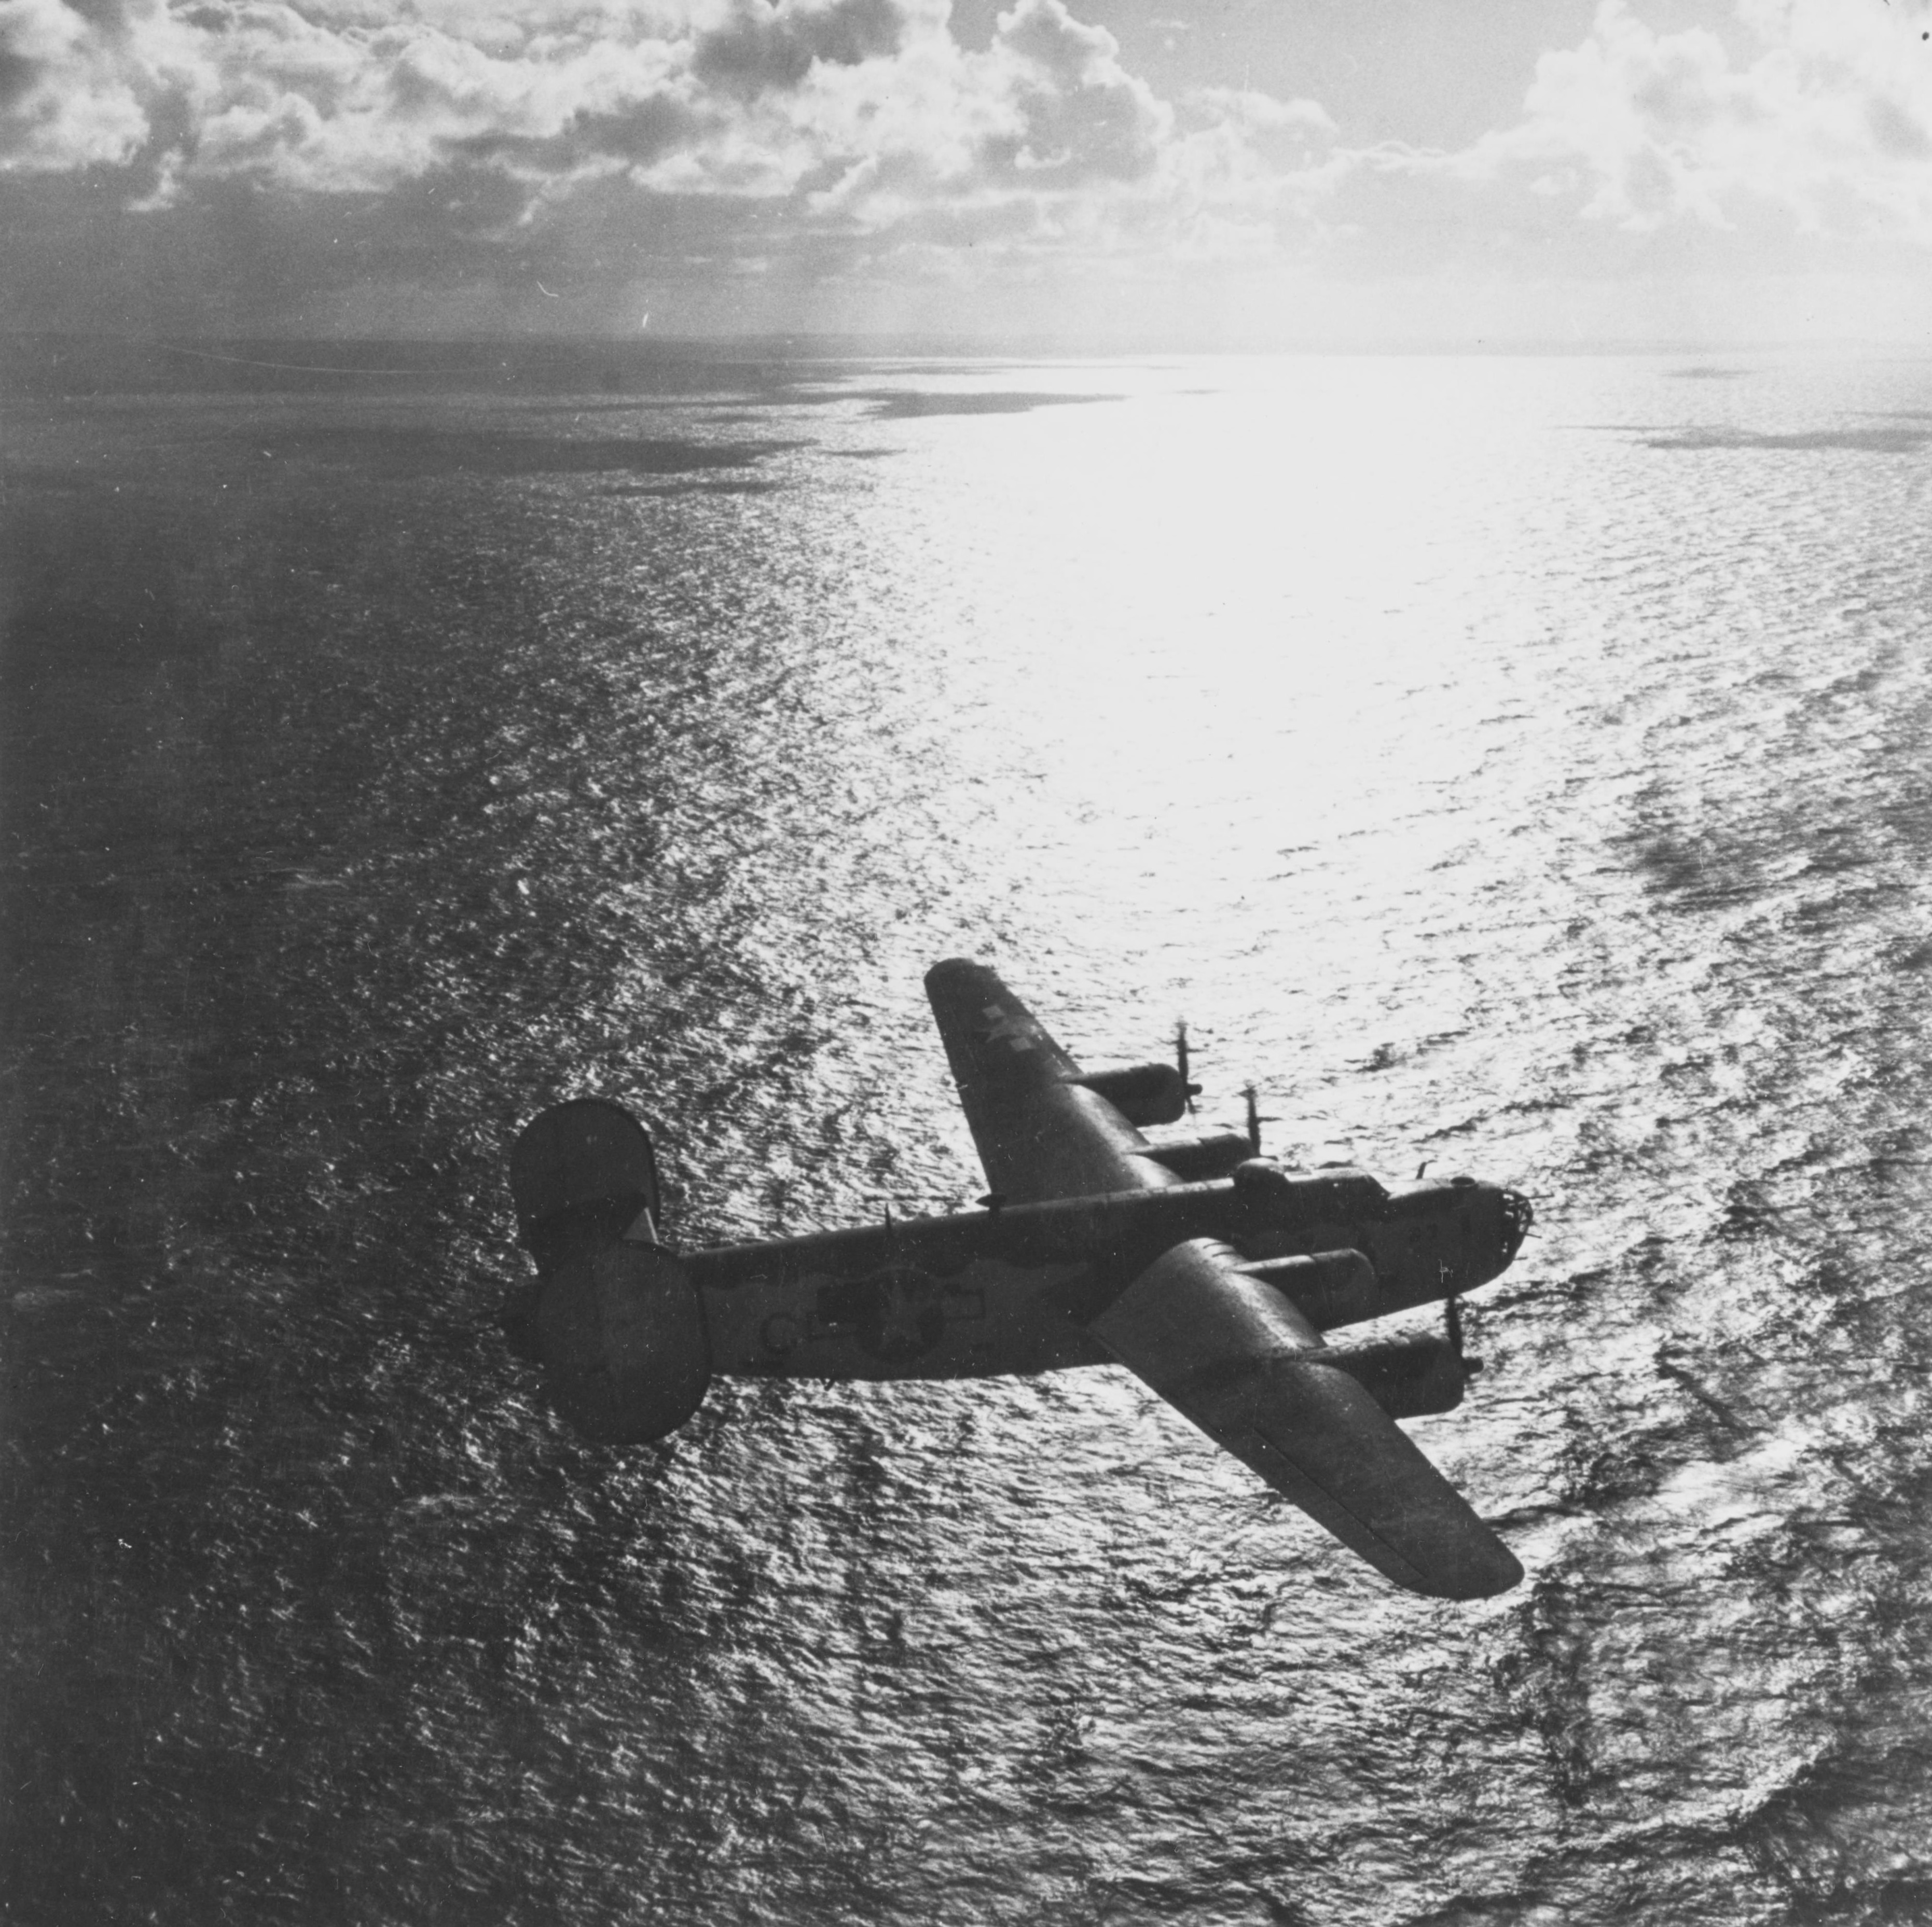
1520 765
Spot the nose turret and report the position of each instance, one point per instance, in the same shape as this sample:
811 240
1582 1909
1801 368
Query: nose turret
1493 1222
1518 1214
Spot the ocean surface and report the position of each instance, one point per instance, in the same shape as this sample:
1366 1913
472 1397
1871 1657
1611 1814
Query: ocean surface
1520 765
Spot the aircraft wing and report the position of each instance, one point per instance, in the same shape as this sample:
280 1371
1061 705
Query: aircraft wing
1237 1359
1039 1134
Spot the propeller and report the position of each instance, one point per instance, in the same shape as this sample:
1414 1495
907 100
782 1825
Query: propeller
1452 1330
1180 1063
1257 1117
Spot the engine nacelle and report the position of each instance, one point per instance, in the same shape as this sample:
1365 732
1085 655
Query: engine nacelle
615 1320
1193 1160
1142 1093
1409 1378
1327 1287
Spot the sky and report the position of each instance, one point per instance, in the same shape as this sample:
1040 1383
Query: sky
1088 174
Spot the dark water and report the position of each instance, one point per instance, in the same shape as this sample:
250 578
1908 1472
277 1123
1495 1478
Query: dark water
1519 764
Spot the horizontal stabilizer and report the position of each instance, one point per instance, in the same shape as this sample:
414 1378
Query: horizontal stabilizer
1241 1362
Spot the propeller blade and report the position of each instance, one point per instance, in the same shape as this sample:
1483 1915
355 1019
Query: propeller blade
1452 1330
1192 1089
1254 1119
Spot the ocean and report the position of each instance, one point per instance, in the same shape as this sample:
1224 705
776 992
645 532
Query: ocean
1519 766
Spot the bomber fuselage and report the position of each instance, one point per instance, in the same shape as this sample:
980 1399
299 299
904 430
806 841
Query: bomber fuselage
1008 1289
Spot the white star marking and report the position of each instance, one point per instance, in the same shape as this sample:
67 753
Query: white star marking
1009 1027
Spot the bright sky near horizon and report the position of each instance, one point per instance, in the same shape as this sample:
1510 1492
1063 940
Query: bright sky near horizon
1104 173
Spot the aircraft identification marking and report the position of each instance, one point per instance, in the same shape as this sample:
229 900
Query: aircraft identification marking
1010 1027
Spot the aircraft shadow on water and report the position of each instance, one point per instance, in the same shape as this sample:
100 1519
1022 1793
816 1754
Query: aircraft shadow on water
1209 1271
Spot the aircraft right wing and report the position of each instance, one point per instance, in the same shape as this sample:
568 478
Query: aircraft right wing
1039 1136
1044 1129
1238 1359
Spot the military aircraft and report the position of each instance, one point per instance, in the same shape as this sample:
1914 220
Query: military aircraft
1209 1271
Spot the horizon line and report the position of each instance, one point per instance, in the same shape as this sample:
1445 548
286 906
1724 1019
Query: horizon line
835 344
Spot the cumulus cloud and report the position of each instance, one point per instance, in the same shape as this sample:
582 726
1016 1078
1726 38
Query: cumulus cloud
75 90
1826 126
757 48
868 110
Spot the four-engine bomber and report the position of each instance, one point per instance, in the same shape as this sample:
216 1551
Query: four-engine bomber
1210 1271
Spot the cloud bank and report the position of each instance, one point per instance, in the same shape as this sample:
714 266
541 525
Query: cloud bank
336 158
868 110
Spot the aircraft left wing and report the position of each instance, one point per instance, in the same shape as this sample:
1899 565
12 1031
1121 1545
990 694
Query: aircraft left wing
1239 1360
